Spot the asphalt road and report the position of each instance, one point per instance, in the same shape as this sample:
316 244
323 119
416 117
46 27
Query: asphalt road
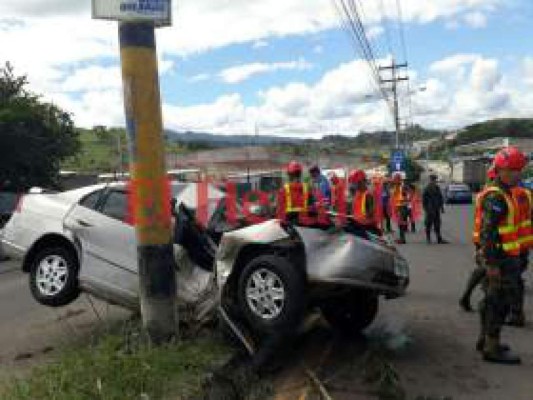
30 332
440 359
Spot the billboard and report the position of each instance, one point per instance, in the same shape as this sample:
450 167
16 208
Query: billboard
157 11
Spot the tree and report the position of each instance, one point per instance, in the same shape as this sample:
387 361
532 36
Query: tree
35 136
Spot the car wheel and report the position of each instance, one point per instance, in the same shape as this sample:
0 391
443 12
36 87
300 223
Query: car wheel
54 277
271 294
353 313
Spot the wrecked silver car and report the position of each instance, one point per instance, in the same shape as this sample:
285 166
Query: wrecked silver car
262 278
270 274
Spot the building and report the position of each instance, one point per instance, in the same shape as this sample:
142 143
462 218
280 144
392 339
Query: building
491 146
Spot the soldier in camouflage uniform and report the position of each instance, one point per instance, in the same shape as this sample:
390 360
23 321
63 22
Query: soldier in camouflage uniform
477 275
500 255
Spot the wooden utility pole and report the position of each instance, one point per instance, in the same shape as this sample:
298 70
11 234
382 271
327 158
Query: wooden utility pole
394 68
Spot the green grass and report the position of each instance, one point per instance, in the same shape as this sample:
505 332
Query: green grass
122 367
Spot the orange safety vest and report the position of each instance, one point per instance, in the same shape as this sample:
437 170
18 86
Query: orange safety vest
398 198
296 197
524 201
508 227
359 211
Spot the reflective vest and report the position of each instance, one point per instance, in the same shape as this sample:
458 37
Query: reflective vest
508 227
398 196
524 201
296 197
359 210
338 197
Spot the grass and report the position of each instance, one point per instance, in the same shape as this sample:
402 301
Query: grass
122 366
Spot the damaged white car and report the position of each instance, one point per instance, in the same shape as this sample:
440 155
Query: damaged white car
262 278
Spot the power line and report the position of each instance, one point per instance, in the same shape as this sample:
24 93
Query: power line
386 27
351 19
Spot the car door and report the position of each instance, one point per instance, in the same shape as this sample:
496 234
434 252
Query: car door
108 245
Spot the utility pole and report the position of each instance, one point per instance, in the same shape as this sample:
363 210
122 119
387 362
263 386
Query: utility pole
394 68
149 189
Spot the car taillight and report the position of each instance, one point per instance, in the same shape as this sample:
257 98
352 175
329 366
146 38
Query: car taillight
20 200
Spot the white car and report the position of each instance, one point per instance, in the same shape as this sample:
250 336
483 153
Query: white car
80 240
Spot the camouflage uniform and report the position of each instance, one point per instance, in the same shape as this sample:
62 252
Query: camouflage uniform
502 291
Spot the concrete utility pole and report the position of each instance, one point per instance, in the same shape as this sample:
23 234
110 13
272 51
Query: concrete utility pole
394 81
151 195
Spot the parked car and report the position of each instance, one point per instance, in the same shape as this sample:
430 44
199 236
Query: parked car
264 277
528 183
458 193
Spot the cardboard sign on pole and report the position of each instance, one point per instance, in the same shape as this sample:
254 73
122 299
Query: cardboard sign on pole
156 11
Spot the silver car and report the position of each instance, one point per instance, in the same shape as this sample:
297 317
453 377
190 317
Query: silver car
263 278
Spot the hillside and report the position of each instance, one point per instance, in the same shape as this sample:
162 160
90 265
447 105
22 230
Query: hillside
510 127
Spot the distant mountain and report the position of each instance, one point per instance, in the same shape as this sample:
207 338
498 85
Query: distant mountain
228 140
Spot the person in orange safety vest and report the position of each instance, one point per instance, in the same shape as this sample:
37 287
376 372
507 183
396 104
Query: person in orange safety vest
498 218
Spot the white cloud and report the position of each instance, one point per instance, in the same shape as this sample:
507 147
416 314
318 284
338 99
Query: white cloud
243 72
93 78
199 78
318 49
476 19
260 44
451 63
527 70
375 31
340 103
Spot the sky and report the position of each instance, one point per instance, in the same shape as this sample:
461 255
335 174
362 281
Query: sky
284 67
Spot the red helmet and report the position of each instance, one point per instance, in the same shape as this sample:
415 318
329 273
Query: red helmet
356 176
491 173
334 178
510 158
397 177
294 168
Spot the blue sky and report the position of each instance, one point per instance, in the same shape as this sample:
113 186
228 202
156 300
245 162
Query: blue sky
287 67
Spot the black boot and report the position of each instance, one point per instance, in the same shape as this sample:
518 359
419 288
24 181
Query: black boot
428 236
413 227
493 352
480 345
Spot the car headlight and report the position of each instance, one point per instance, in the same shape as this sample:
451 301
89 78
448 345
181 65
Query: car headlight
401 268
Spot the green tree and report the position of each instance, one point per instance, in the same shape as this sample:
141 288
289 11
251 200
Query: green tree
35 136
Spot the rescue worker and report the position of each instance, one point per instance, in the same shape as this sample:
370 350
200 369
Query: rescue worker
433 204
294 196
363 208
524 201
338 194
499 241
479 273
399 206
413 200
320 185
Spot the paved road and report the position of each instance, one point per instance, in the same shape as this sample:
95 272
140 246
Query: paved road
441 360
29 331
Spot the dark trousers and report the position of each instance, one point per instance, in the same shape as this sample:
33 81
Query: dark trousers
500 297
433 221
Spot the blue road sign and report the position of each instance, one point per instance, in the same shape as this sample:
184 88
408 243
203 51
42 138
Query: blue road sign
397 161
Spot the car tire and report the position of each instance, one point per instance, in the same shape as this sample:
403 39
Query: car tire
54 277
351 314
279 305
